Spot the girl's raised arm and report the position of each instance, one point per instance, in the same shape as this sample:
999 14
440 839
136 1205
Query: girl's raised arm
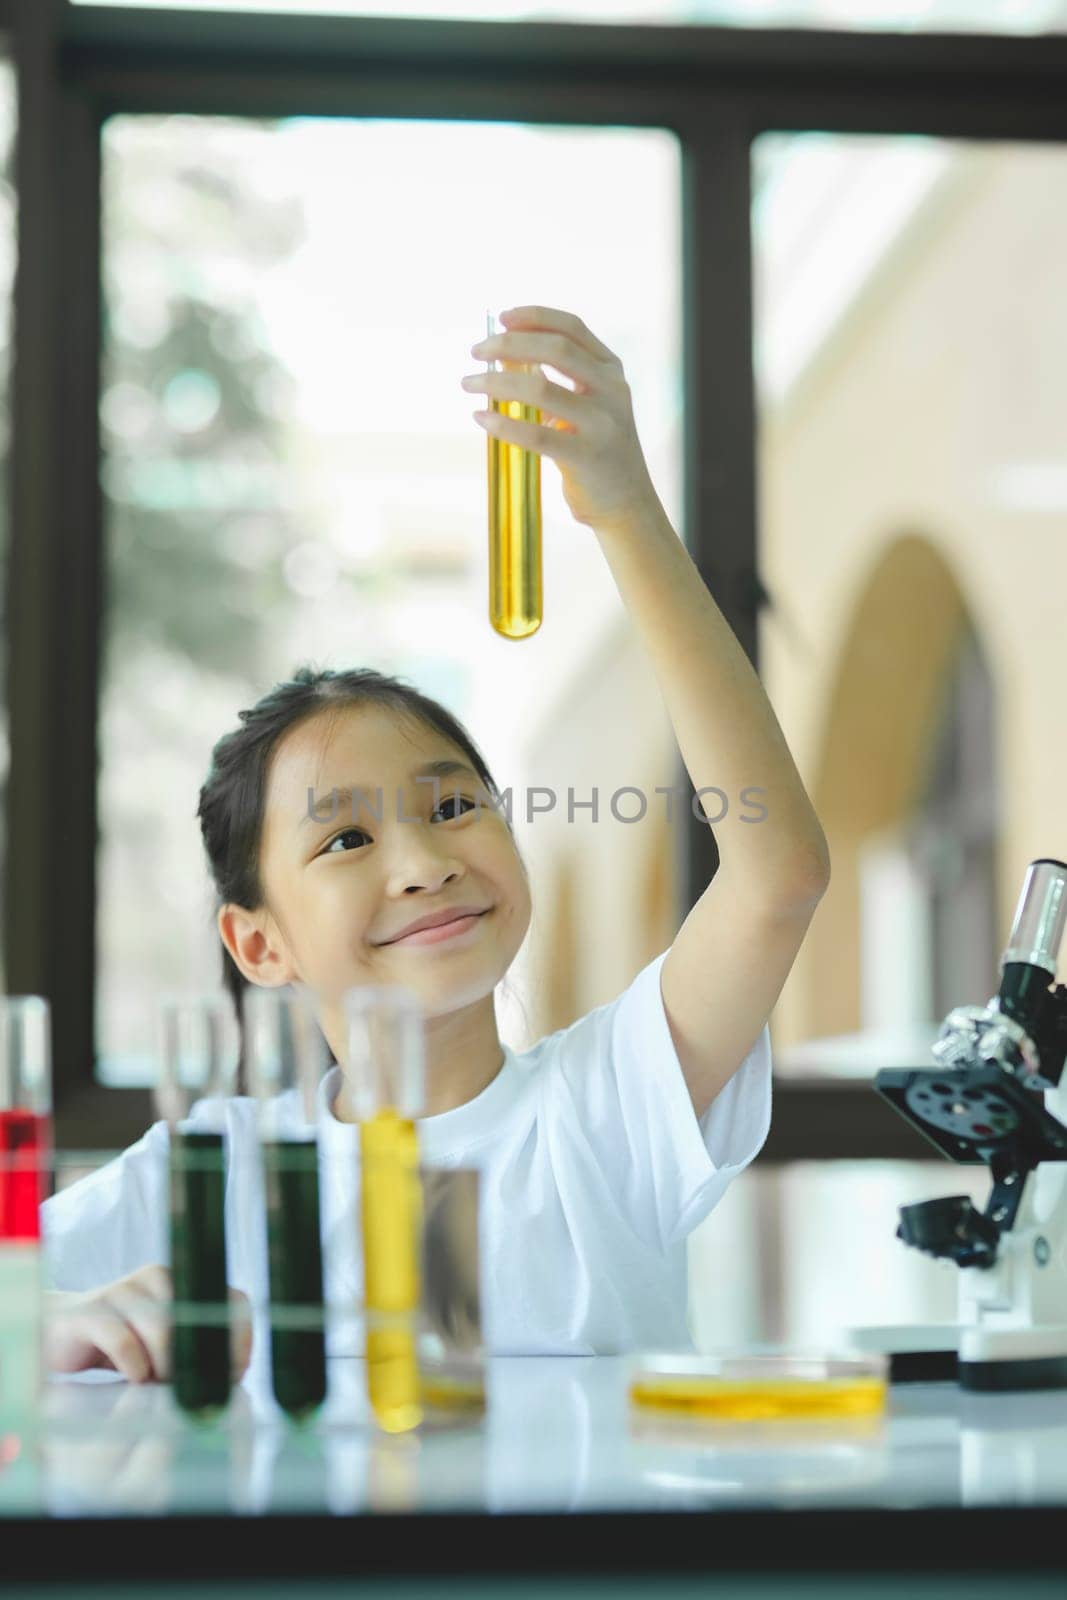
732 955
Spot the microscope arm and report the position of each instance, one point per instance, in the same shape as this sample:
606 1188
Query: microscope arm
998 1097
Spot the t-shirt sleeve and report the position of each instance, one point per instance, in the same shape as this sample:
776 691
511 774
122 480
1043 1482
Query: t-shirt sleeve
112 1221
624 1078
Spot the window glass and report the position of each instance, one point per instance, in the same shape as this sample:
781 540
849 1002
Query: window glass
292 474
767 1239
910 342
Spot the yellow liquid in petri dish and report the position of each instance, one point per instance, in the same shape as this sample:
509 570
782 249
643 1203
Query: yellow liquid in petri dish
391 1202
453 1394
749 1400
760 1388
515 579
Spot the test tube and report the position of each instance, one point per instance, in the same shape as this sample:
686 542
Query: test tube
25 1149
287 1057
196 1063
515 598
387 1073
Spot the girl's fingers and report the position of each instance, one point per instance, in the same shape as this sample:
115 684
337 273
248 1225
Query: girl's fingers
556 350
153 1280
150 1319
549 317
533 388
240 1332
542 437
67 1347
118 1344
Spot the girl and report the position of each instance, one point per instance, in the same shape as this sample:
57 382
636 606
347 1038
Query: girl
603 1146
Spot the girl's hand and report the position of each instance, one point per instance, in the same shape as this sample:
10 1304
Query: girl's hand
125 1327
590 432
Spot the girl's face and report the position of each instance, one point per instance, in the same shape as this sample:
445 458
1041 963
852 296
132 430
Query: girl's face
340 884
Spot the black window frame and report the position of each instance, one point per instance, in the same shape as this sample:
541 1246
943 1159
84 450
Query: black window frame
716 88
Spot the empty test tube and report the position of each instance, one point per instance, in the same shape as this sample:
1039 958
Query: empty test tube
386 1071
287 1057
196 1062
25 1150
515 590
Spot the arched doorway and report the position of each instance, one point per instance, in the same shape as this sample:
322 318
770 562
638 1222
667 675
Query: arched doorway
906 791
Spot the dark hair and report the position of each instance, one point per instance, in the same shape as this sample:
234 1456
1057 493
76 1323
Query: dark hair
233 797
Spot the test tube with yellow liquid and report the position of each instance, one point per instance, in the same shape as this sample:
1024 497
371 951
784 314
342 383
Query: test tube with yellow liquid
515 595
386 1064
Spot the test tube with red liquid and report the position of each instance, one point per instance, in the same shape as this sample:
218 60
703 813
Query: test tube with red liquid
25 1156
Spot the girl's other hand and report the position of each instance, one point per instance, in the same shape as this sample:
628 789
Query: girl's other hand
590 432
125 1327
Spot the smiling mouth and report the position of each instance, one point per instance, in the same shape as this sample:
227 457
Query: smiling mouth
453 929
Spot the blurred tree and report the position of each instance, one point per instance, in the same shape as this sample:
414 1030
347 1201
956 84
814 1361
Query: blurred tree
193 401
200 513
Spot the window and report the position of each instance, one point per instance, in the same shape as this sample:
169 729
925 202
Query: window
291 472
910 404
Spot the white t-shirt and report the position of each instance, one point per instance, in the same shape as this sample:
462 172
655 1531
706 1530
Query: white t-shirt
594 1169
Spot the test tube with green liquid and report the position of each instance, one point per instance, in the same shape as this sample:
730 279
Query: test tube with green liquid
386 1072
198 1061
287 1057
515 588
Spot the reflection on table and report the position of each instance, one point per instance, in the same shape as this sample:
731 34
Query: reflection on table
558 1434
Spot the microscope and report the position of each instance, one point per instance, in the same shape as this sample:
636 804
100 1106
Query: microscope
999 1097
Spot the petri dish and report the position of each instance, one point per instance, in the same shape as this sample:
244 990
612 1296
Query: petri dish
452 1384
765 1387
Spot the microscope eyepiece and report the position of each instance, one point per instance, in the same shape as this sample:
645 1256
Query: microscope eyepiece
1040 916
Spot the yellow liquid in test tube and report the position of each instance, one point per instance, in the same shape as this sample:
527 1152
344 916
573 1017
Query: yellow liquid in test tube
391 1205
515 598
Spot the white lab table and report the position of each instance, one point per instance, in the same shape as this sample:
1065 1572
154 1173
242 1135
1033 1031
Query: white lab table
559 1445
